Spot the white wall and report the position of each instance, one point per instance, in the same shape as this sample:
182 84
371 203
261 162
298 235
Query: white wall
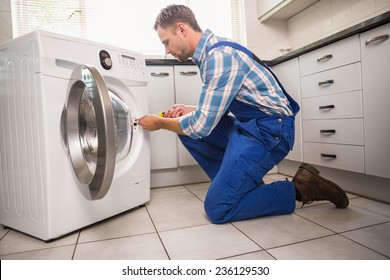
327 17
324 18
265 40
5 20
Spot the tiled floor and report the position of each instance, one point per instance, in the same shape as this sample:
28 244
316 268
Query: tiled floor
174 226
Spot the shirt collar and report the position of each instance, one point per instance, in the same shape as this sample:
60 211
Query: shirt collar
200 48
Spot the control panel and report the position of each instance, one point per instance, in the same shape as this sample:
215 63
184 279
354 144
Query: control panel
123 63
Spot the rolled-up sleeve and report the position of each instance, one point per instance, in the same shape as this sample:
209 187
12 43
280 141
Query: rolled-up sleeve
223 80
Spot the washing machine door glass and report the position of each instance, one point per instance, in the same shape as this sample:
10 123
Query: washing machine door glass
89 131
123 126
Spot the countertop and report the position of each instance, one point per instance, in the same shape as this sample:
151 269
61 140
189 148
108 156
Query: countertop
353 30
168 61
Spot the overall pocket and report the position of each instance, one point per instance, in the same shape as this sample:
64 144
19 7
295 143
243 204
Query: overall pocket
242 178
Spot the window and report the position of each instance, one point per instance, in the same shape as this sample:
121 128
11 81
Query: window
122 23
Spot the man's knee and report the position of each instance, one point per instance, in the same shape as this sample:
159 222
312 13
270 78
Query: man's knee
215 212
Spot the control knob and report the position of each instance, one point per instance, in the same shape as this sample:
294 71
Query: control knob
105 59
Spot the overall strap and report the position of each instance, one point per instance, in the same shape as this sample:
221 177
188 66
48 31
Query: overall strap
294 104
241 48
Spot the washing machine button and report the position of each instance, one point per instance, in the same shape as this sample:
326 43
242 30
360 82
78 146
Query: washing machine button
105 59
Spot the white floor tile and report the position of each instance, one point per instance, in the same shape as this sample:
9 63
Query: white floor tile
175 210
375 237
166 191
260 255
177 214
206 242
141 247
371 205
58 253
340 220
277 177
3 231
276 231
16 242
133 222
327 248
198 186
201 194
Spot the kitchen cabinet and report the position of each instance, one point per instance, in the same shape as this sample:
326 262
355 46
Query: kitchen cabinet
169 85
188 85
375 46
288 74
345 96
331 56
163 143
332 106
281 9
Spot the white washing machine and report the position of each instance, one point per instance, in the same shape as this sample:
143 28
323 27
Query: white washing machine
71 153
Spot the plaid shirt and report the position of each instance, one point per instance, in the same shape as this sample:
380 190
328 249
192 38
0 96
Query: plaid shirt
228 73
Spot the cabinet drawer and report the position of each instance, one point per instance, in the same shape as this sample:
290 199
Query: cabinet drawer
188 84
342 105
341 79
339 131
335 156
340 53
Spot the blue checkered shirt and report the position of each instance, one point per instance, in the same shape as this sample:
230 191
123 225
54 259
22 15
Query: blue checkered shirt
229 74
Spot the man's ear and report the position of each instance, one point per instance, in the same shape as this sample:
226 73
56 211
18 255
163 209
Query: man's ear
182 28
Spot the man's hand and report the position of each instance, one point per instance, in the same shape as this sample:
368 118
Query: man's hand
178 110
150 122
154 122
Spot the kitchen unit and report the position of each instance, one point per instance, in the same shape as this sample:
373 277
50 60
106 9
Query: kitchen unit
344 99
332 106
172 82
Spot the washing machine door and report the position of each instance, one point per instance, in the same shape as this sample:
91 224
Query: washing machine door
88 131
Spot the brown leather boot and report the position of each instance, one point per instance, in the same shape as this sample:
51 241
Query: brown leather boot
313 187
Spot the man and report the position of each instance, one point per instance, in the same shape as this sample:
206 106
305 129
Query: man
236 150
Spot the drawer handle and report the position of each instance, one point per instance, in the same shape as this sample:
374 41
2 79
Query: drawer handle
326 107
326 131
325 57
188 73
159 74
331 156
377 39
327 82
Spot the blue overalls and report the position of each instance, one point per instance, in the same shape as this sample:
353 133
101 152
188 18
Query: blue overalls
237 154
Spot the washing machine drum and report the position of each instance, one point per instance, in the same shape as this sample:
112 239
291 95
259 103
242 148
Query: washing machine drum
96 130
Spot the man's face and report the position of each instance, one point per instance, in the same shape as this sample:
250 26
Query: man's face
174 41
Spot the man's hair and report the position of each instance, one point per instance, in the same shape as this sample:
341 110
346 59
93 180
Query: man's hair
173 14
